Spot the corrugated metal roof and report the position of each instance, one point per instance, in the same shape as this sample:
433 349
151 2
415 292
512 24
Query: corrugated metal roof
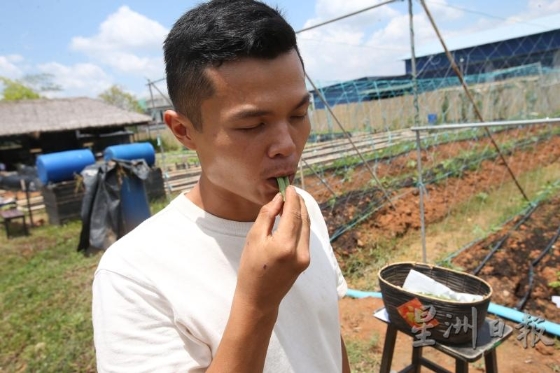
51 115
513 31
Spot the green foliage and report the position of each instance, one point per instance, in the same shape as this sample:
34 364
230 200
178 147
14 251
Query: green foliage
15 90
555 284
27 88
363 355
116 96
45 302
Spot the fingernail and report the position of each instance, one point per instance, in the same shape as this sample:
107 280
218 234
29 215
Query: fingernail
277 196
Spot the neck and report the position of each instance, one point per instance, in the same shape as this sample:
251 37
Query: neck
220 205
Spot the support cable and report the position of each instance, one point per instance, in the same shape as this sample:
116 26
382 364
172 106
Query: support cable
319 177
471 98
346 16
366 164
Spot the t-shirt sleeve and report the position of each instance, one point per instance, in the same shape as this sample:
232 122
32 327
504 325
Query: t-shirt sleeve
135 331
341 285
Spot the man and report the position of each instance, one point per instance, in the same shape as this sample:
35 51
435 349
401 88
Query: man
228 277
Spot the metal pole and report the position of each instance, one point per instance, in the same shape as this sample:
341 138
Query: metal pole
160 144
413 65
421 194
505 123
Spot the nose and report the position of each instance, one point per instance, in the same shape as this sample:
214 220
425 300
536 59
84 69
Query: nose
282 142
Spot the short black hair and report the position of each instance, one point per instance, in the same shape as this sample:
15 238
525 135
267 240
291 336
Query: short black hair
213 33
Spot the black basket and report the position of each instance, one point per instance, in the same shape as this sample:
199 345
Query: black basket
452 322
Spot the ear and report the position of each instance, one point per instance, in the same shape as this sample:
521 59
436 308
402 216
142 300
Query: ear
181 127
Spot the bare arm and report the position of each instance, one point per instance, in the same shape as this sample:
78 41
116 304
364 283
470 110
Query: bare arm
270 264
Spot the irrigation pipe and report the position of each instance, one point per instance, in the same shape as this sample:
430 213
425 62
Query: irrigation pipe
524 211
532 265
471 98
504 238
476 241
496 309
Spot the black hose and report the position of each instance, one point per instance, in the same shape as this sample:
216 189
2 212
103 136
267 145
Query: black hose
504 238
532 265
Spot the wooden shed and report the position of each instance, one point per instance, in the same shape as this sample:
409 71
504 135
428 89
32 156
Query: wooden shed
32 127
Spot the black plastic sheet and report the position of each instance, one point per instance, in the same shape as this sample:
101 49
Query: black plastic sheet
102 215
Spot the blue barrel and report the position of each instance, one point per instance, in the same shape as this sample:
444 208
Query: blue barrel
62 166
432 118
129 152
134 202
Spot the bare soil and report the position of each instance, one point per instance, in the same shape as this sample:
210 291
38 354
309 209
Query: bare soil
507 270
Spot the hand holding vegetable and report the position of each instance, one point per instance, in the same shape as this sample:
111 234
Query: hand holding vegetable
272 261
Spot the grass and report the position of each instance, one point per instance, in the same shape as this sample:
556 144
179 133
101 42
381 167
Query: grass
364 356
45 284
45 302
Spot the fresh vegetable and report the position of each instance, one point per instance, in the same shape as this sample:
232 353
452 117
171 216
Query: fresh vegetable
283 183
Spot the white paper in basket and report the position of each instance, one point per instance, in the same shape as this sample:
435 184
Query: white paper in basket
417 282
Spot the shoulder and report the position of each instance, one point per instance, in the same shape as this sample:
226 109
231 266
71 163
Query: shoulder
153 241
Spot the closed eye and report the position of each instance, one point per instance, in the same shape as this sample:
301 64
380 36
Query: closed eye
247 129
299 117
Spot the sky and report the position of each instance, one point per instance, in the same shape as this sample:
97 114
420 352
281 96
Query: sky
87 46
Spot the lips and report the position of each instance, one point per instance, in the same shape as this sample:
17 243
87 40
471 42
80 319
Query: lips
289 174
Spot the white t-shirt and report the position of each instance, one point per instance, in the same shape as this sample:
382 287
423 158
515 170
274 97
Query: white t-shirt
162 296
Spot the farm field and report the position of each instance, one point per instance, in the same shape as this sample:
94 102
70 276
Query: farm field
391 234
45 283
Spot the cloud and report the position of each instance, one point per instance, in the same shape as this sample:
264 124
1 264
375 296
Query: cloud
10 66
538 8
82 79
369 44
126 41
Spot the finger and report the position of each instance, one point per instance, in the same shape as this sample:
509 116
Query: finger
267 215
304 236
290 224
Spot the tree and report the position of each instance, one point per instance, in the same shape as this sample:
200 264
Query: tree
28 87
115 95
41 82
15 90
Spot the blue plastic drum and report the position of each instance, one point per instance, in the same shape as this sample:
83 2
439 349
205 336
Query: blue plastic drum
63 166
129 152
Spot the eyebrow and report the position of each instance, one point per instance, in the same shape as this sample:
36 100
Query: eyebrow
252 113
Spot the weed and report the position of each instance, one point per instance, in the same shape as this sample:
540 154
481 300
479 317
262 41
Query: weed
362 355
482 197
555 284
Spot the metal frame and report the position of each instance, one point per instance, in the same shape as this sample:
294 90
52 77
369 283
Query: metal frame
458 126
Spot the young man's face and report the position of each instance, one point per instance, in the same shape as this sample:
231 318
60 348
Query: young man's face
254 129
